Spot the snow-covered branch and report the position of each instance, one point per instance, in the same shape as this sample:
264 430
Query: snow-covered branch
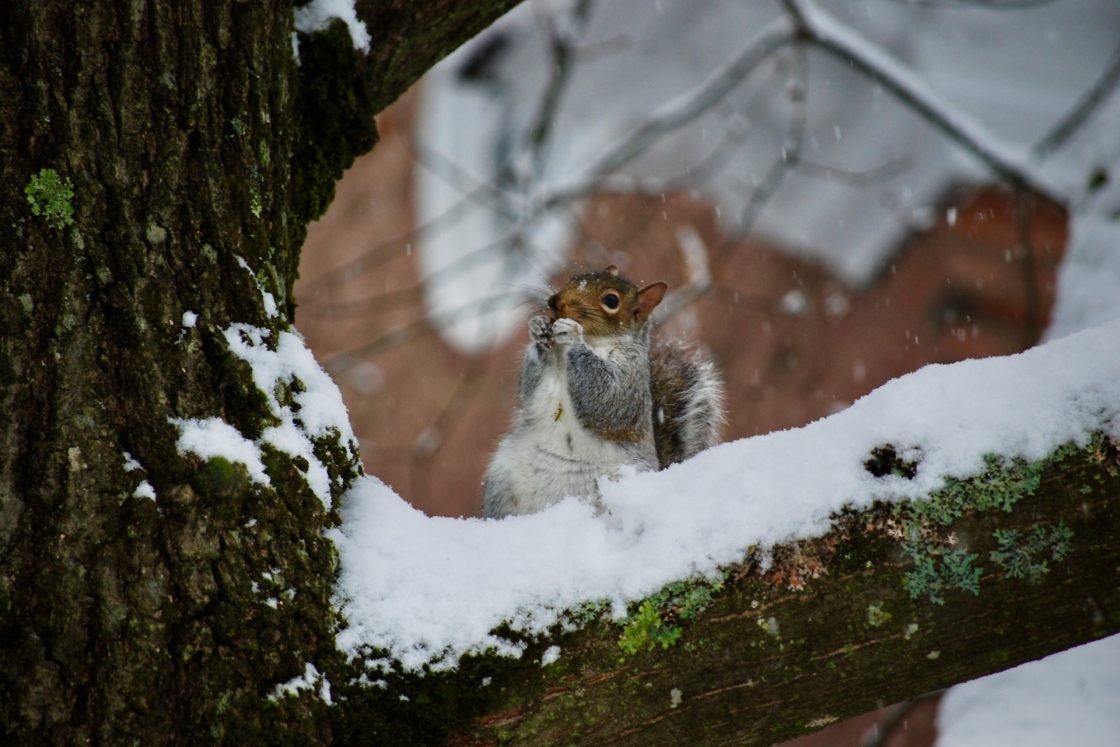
911 528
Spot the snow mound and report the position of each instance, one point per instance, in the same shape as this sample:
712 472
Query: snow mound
1068 698
319 14
429 589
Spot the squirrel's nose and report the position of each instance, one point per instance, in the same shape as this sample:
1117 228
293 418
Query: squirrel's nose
554 303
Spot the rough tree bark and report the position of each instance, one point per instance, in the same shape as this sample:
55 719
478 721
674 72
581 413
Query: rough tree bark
190 138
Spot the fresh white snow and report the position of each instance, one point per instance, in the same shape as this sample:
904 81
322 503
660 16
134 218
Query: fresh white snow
145 490
267 299
317 15
309 680
1089 277
550 656
318 409
428 589
1070 698
213 437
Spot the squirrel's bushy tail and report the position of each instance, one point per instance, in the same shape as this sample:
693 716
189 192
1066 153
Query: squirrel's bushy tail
687 402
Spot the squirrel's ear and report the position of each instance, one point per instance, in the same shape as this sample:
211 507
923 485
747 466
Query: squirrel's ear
612 270
648 298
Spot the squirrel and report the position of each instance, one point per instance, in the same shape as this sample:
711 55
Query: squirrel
597 396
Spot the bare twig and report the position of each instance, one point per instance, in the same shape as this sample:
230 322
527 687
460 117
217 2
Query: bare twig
791 148
379 254
879 65
676 113
857 179
371 305
681 111
563 42
884 731
1024 218
696 260
1089 103
474 188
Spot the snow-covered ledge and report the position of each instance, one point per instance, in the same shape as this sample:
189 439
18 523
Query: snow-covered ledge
955 522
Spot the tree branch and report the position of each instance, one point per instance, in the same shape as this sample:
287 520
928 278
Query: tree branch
828 630
874 62
1089 103
410 37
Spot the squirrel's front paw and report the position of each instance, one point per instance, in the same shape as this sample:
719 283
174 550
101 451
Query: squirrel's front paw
567 331
540 330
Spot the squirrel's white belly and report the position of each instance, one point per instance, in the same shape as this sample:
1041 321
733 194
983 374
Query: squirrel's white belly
550 455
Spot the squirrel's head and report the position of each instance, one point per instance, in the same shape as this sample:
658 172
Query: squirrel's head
604 303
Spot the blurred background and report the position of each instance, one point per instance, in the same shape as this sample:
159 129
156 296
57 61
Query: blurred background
837 194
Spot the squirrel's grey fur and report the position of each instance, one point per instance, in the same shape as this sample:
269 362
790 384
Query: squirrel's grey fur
591 407
687 402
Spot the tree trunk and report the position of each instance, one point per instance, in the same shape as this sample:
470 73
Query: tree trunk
158 159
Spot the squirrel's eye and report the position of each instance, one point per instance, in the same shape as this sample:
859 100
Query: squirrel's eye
611 301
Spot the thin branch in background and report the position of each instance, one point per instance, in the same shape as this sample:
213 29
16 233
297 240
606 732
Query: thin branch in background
735 137
908 87
856 179
791 147
431 324
461 264
563 42
435 435
698 267
400 335
470 260
1024 218
472 187
606 48
482 194
882 732
380 253
693 176
684 109
369 306
1089 103
674 115
596 256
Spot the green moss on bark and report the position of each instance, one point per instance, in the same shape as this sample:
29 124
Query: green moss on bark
335 116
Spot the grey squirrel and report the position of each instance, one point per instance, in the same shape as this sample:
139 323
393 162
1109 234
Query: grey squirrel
595 396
